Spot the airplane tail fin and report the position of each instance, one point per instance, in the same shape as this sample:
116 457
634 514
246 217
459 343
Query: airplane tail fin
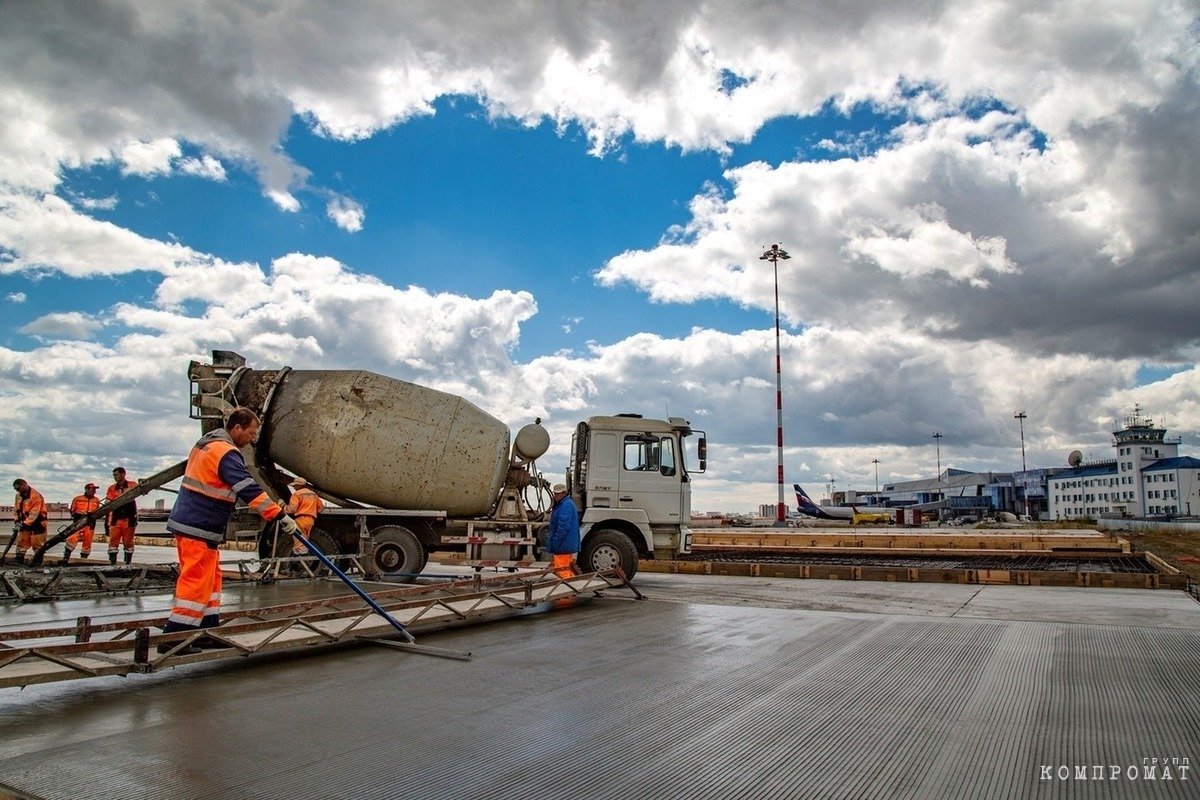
802 498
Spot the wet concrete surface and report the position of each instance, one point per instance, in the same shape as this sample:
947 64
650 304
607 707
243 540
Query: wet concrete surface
714 687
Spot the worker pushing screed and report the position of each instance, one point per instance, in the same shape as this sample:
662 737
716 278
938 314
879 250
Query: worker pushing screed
29 526
83 505
214 479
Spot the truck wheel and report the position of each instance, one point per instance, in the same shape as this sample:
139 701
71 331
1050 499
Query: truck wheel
329 546
395 548
271 545
606 549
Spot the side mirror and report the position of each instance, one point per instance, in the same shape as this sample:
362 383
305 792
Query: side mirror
702 452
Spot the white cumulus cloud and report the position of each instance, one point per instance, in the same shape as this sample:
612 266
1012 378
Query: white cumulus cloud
347 213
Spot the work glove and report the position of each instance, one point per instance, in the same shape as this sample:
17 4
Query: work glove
288 525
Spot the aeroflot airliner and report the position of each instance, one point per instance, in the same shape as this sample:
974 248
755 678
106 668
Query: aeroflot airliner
806 506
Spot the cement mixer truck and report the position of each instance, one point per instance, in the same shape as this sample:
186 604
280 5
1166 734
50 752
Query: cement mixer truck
411 470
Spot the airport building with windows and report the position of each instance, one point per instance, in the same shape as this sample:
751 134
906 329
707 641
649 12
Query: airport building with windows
1148 478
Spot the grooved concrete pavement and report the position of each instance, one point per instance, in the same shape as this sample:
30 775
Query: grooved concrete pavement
716 687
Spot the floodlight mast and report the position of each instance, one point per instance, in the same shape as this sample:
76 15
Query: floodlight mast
775 254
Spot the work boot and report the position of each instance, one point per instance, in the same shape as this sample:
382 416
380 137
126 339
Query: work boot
66 555
128 557
20 559
85 555
112 558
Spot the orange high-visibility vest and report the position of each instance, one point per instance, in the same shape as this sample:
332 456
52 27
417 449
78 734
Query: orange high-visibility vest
31 511
205 500
82 504
305 503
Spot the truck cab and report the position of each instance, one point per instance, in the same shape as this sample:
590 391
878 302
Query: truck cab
629 477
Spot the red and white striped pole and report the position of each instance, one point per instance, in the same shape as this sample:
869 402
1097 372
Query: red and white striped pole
774 254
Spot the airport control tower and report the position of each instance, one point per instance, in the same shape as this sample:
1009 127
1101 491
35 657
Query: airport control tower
1138 444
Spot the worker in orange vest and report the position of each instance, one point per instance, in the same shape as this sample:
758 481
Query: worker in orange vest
304 507
121 524
30 523
214 479
81 506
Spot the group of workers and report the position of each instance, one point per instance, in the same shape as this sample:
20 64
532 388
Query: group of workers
30 525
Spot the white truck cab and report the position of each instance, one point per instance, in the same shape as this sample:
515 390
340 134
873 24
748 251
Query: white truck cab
629 477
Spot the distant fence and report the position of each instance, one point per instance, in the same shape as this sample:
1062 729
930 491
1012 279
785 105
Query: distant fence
1137 525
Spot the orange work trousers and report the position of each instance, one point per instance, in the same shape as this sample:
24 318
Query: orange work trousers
305 524
198 589
563 565
120 533
28 540
84 534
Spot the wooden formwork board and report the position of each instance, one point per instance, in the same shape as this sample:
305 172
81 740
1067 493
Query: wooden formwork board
898 552
73 651
868 572
922 542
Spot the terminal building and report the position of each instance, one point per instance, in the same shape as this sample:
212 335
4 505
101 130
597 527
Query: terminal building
1147 478
954 493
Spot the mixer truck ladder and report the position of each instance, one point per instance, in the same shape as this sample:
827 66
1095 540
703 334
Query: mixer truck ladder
82 649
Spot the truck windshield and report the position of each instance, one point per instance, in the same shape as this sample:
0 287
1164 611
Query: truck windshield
649 453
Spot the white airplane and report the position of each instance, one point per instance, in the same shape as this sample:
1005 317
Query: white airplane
850 514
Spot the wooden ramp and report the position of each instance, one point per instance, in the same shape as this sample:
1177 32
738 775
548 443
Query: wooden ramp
83 650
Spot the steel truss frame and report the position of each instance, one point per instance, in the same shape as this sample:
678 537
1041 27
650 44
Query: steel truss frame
55 582
120 648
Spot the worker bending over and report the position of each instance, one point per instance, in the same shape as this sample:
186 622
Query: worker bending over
215 477
122 523
562 539
304 507
30 523
81 506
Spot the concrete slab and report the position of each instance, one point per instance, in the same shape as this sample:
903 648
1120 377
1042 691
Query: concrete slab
673 697
1142 607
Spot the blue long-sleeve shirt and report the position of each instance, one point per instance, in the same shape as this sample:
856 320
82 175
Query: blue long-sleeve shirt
563 535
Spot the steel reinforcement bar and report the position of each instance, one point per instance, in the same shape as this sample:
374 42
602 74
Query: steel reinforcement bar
868 570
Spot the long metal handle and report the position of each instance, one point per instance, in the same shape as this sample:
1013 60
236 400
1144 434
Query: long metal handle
11 540
324 559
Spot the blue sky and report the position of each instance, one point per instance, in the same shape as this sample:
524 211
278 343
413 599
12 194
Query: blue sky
359 190
492 203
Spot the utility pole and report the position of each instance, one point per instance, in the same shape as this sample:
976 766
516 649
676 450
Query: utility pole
875 461
1020 417
937 443
774 254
